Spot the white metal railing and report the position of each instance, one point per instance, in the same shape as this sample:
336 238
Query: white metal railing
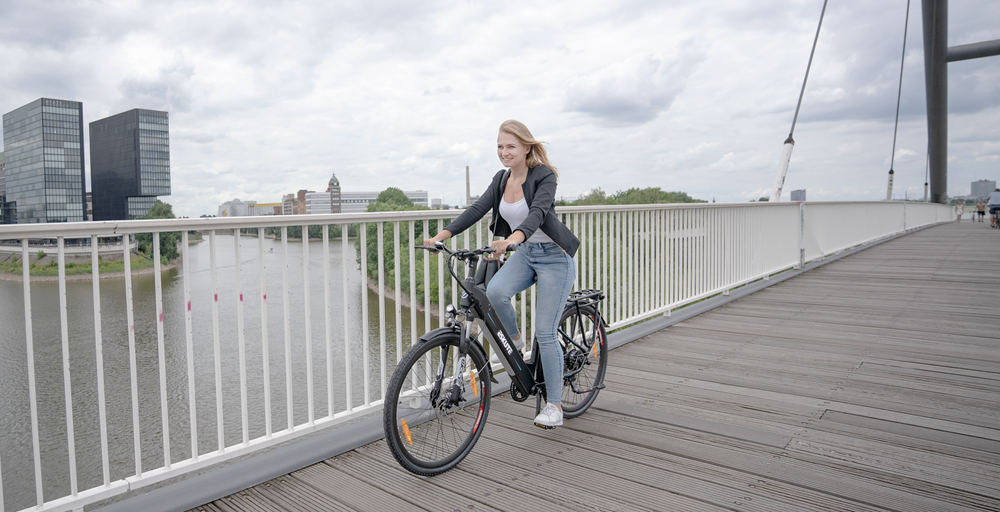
169 372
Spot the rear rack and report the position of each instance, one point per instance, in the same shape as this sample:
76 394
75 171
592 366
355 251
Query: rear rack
586 297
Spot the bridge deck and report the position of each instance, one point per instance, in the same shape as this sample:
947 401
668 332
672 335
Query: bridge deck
871 383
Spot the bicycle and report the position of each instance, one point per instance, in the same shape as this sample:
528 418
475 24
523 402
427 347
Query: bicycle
436 403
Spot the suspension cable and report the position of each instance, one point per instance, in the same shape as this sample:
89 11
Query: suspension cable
808 67
899 95
786 154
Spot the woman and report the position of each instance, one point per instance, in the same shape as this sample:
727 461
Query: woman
522 198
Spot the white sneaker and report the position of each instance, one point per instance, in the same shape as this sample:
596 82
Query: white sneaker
495 357
550 417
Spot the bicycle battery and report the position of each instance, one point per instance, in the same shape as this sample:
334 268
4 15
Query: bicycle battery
502 342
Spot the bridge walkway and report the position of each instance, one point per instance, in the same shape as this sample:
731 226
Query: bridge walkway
870 383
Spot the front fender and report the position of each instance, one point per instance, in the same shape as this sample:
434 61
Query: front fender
440 331
453 331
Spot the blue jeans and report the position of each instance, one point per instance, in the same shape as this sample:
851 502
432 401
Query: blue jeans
555 272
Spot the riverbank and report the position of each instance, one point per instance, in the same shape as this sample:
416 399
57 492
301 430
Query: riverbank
404 298
108 270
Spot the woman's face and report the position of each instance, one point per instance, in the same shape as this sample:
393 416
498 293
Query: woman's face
510 150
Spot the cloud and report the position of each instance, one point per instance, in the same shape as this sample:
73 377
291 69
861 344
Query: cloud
631 92
273 97
167 91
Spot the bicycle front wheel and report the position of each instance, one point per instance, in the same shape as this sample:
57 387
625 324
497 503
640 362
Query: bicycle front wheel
432 414
585 351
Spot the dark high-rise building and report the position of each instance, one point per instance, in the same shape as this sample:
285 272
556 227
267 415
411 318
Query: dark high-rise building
3 194
43 162
129 163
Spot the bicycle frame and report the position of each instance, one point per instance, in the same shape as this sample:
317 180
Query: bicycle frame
526 376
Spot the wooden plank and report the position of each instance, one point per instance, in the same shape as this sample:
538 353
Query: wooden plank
943 469
633 483
293 495
910 436
454 490
358 494
768 466
513 459
247 500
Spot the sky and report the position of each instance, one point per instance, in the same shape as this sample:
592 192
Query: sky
269 97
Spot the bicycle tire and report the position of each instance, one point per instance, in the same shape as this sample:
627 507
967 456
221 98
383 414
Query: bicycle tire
428 436
586 360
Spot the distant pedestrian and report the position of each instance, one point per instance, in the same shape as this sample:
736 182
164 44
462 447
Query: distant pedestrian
959 210
981 209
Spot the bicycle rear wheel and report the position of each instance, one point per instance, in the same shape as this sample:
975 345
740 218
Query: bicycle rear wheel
431 419
585 349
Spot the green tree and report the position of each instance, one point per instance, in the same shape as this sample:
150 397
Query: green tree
649 195
390 200
168 240
594 197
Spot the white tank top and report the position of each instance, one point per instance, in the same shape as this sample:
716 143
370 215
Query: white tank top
515 213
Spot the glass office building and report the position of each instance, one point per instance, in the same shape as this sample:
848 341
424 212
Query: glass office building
129 163
43 162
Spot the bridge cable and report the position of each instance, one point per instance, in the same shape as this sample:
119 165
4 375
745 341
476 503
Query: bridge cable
786 154
899 95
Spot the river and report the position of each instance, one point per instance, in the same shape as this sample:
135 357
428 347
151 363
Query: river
15 426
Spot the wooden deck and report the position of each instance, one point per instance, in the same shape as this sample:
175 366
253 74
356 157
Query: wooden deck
871 383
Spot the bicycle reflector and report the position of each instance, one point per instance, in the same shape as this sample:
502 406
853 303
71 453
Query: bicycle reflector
406 431
475 385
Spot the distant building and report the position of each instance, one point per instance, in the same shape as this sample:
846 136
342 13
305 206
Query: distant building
354 202
317 202
234 208
264 208
90 206
333 187
436 203
798 195
982 188
3 194
129 163
238 208
43 171
335 200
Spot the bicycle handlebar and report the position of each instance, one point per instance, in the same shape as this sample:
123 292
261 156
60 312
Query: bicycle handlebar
462 253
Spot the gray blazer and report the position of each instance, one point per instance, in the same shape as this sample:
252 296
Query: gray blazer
539 192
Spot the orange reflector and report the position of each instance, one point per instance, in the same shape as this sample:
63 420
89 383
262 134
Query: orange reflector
595 349
475 386
406 431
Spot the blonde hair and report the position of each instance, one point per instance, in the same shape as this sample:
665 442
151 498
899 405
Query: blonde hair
536 154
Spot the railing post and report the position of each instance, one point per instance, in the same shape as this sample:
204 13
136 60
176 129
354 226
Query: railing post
802 236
